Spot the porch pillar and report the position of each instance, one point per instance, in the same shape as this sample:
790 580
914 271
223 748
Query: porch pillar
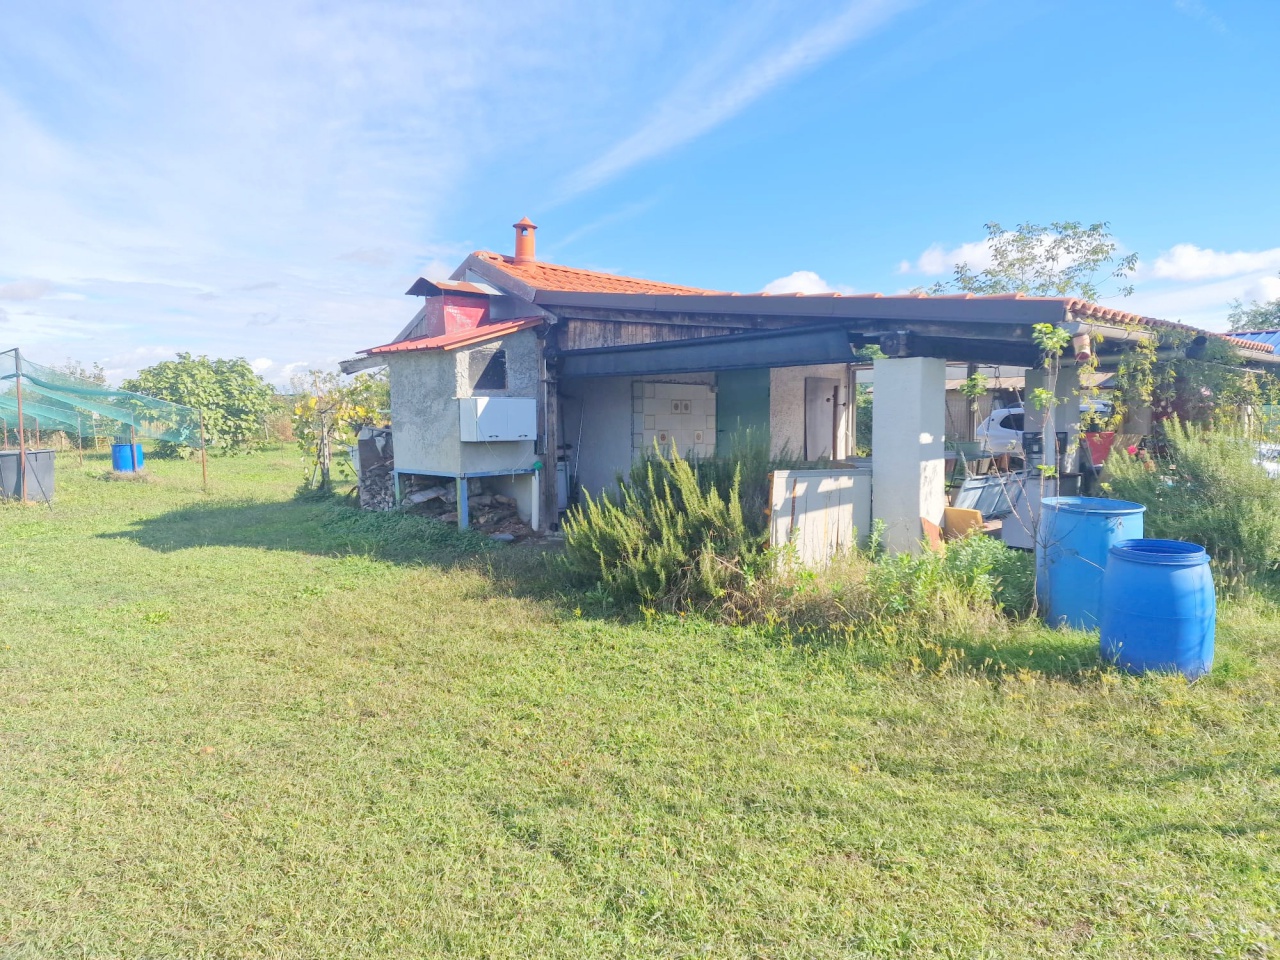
908 419
1137 418
1066 416
1039 419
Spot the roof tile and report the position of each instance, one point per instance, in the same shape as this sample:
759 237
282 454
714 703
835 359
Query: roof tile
552 276
462 338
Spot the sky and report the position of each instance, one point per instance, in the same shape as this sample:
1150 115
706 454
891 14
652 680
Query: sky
265 179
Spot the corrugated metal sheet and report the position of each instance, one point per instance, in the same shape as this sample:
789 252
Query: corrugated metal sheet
821 513
1270 338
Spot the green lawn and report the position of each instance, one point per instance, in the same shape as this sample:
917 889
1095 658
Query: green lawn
245 725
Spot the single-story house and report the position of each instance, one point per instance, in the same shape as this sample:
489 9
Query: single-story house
541 379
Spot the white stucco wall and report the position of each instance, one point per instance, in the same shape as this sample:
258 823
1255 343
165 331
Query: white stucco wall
425 386
522 381
786 408
424 412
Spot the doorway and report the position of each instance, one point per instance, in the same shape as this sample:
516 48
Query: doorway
821 418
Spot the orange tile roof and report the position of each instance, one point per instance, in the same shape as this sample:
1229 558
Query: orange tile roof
553 276
463 338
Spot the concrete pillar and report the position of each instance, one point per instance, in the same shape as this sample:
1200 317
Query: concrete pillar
1137 419
1037 419
908 416
1066 415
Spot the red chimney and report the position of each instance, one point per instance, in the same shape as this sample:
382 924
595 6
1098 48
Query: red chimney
524 241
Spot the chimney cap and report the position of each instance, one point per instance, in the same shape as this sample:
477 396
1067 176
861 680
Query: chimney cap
525 229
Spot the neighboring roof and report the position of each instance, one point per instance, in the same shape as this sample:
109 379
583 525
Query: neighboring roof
1269 338
553 276
462 338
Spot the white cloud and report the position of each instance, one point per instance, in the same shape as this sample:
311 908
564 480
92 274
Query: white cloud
728 80
938 260
803 281
1188 262
261 364
25 290
1265 289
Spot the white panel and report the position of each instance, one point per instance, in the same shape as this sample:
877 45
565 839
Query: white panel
822 513
491 419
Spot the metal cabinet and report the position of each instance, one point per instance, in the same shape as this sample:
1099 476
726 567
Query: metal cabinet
497 419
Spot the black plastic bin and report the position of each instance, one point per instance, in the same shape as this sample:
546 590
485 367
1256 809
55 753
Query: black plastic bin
39 475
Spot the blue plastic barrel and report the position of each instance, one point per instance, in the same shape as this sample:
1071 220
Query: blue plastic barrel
1159 611
122 461
1072 542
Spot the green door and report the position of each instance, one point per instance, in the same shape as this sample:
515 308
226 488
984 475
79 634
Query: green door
742 404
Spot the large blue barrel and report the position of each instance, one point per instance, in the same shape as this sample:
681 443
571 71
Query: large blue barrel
126 457
1072 541
1159 611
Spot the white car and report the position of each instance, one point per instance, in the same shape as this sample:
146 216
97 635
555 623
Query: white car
1002 431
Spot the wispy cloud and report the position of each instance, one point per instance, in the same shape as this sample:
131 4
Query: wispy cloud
706 99
188 171
1200 11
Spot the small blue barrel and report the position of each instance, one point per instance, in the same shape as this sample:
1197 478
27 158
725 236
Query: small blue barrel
1159 611
126 457
1071 554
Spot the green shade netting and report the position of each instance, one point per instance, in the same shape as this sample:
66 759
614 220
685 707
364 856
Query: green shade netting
56 401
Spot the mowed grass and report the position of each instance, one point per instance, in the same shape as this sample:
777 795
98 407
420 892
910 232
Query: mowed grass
247 725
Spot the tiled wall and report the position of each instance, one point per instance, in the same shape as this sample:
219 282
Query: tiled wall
683 412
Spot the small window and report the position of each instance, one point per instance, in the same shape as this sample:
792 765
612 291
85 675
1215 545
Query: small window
492 370
1013 421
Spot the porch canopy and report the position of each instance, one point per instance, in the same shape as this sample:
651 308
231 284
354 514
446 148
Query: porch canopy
708 332
799 330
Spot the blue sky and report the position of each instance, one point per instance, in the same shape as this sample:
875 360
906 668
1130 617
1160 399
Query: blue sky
265 179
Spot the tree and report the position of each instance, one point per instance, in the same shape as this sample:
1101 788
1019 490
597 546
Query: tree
1256 316
1063 259
330 409
74 368
233 399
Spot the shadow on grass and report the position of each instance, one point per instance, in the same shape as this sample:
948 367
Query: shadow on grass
331 525
322 525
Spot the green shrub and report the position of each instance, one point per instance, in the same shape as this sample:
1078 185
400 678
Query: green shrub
1206 489
668 537
748 462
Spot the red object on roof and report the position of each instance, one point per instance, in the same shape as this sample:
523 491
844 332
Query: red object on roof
551 276
460 338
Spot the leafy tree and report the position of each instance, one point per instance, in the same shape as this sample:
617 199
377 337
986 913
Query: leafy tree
1062 259
74 368
234 399
1255 316
330 409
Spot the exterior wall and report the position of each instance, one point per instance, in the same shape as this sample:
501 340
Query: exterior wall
605 422
522 381
597 426
786 408
424 412
425 386
683 413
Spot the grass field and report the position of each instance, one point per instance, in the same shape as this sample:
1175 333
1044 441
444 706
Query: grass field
246 725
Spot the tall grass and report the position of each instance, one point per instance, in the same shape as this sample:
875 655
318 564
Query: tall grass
1205 488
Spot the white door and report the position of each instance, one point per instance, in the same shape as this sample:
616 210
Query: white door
821 417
